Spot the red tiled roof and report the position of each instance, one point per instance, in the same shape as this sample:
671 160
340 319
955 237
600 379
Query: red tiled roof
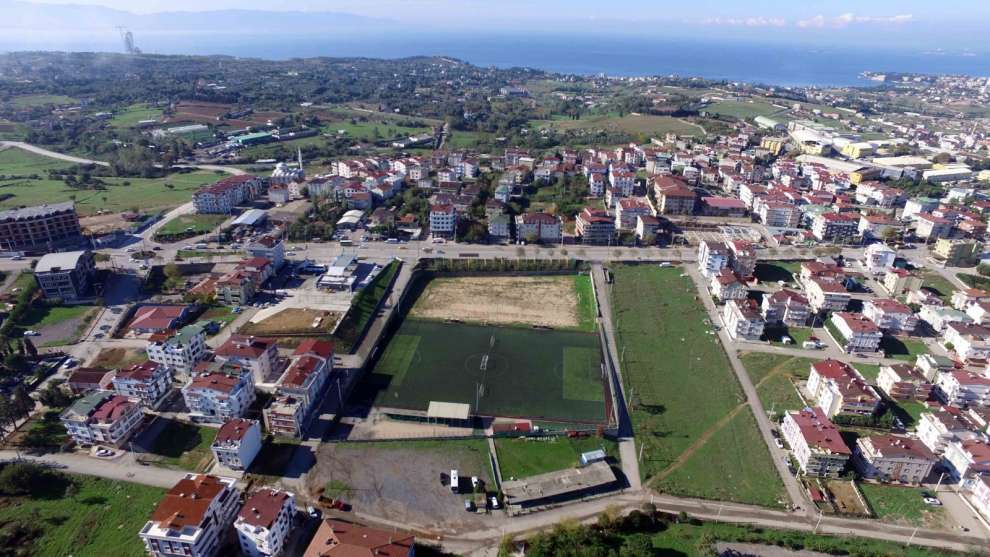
139 372
322 348
216 382
111 409
156 317
262 508
723 202
337 538
818 431
234 430
186 503
241 346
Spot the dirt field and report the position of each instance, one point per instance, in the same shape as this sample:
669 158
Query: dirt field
847 500
401 480
118 357
545 301
103 224
293 321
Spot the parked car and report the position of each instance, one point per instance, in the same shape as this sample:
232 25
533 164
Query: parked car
493 501
313 512
31 333
778 442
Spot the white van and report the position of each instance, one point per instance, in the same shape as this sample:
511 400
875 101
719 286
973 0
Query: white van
455 481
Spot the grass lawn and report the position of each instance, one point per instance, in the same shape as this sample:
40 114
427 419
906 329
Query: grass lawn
100 518
868 371
774 376
909 411
363 307
780 270
906 349
199 224
587 312
798 335
645 124
29 101
220 314
29 185
185 446
133 114
751 477
119 357
974 281
39 316
939 284
525 457
679 381
903 505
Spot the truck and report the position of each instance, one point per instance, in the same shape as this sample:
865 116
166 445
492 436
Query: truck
455 481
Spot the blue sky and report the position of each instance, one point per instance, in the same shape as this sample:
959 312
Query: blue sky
955 24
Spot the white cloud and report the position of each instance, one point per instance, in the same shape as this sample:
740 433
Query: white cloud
746 21
844 20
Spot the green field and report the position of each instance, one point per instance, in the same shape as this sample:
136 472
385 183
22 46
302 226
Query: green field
39 316
903 505
587 311
733 465
743 109
780 270
31 101
530 373
940 285
974 281
681 388
906 349
529 456
131 115
99 518
364 306
643 124
774 376
185 446
27 183
200 224
868 371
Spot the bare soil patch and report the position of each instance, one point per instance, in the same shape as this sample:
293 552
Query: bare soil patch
547 301
847 499
294 321
111 358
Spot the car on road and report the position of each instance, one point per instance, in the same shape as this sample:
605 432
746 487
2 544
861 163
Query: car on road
104 453
157 248
778 442
130 250
105 327
31 333
290 253
69 363
99 335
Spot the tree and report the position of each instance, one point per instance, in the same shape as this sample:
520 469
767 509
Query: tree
22 478
30 348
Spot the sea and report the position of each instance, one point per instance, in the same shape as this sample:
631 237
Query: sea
780 63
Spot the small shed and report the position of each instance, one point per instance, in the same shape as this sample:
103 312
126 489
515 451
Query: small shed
592 456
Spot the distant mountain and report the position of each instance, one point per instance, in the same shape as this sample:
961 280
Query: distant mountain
24 17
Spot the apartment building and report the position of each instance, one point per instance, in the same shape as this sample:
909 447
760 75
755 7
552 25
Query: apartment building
879 257
957 253
778 214
712 257
969 340
443 220
257 355
146 383
674 196
979 495
785 307
222 196
890 315
43 228
840 228
237 443
179 351
727 286
743 260
826 294
857 333
595 227
270 247
218 397
893 458
742 320
264 523
966 460
939 428
67 275
192 518
898 282
838 388
538 227
815 442
904 382
627 210
960 388
929 227
101 418
300 388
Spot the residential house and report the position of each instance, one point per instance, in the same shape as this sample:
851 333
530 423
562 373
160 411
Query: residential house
893 458
647 228
264 523
101 418
857 332
237 443
236 288
193 517
877 226
815 442
42 228
158 319
779 214
87 379
146 383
